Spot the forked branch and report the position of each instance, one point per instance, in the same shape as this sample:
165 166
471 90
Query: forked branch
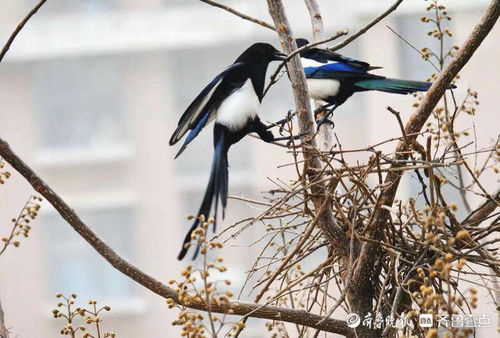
417 121
239 308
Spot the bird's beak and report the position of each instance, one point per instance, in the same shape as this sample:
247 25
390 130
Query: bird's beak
279 56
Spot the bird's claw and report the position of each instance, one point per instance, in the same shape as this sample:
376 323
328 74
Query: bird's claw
293 138
281 123
324 120
326 117
290 138
321 109
289 117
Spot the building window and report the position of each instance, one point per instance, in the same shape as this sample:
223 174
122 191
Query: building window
74 266
79 102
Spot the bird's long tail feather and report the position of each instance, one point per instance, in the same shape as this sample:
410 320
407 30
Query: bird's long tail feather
217 188
394 85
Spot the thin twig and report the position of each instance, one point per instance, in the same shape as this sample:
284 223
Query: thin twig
19 27
414 125
241 15
366 28
413 47
239 308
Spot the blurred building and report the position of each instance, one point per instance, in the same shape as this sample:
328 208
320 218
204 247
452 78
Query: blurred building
90 93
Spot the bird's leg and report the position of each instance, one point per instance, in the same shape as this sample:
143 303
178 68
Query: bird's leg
281 123
262 130
289 138
323 108
267 136
325 119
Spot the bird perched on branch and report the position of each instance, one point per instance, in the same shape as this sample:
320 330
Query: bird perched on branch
333 78
233 99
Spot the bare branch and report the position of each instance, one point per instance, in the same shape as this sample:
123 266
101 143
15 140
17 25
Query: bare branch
414 125
326 130
327 222
239 308
316 18
413 47
477 216
237 13
305 236
317 43
19 27
366 28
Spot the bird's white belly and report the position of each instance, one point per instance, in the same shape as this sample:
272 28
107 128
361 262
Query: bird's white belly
242 105
320 89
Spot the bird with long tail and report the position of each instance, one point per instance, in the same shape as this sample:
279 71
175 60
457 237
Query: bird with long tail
233 100
333 78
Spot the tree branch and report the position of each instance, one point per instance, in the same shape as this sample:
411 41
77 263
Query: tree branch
310 45
19 27
237 13
327 222
326 130
362 273
316 18
482 212
366 28
239 308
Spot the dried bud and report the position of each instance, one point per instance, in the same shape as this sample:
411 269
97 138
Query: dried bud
462 234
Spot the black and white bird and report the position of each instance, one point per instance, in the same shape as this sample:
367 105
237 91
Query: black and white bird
333 78
233 99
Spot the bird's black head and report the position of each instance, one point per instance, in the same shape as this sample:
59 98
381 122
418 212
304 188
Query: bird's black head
301 42
260 52
311 53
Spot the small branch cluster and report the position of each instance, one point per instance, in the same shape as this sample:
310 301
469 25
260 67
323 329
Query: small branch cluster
4 175
91 316
198 288
433 298
392 242
21 226
439 16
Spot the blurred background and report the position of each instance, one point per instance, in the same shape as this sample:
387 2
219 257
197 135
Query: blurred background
90 93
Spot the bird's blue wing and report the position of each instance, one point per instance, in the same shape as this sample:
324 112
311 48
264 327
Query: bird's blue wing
206 118
199 113
331 70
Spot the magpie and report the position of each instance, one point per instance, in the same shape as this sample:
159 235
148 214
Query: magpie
333 78
232 99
